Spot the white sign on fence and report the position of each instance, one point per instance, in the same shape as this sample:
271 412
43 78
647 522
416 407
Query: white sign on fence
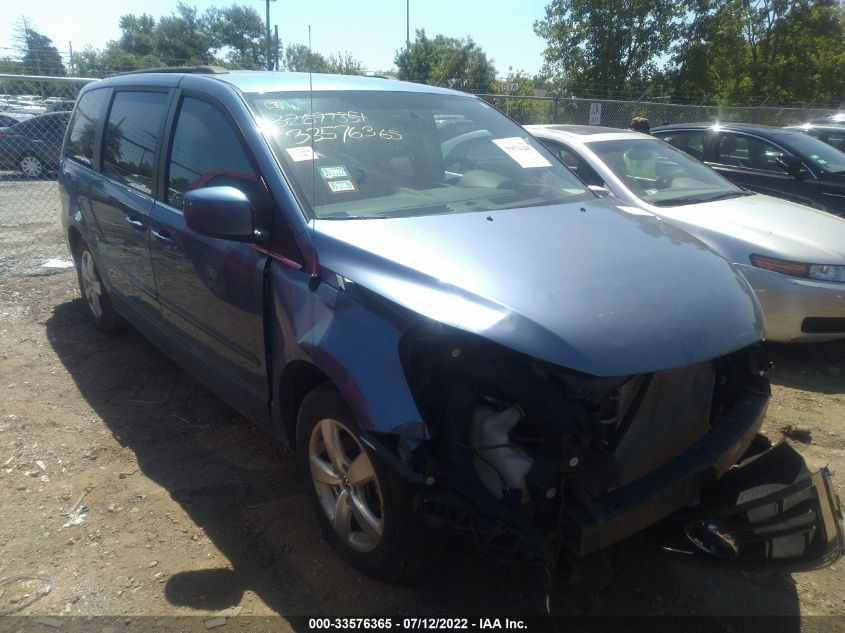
595 114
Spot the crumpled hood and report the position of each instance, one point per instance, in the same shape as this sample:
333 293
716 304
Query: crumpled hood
767 225
583 285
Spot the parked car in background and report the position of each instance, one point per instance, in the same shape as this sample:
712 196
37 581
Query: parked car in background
60 105
32 146
472 341
792 256
836 118
7 121
778 162
830 133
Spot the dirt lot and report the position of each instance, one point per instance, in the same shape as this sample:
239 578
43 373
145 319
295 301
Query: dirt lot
191 509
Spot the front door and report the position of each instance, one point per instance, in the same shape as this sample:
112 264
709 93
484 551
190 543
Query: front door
751 162
211 290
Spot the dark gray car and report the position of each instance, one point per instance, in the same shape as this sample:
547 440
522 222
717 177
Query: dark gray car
776 161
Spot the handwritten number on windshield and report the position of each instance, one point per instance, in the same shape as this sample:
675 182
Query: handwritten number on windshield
302 136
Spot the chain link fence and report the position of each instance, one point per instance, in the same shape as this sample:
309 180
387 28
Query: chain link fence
613 113
34 113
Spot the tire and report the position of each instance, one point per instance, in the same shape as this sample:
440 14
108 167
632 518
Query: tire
94 292
375 531
31 166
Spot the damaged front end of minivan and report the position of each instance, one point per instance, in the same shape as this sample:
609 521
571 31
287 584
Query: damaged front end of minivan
531 461
547 410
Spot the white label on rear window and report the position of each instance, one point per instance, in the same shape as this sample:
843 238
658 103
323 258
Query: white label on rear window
329 173
341 186
520 150
299 154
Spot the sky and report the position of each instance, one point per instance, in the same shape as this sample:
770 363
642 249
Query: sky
371 30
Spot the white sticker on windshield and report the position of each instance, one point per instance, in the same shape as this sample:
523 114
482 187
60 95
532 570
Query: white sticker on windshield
298 154
341 186
521 151
328 173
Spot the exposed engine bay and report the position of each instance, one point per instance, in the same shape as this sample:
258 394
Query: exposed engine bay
531 461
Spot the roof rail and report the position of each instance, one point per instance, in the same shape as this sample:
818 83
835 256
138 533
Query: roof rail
193 70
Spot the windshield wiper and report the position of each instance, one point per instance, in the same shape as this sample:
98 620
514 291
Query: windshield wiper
701 198
351 217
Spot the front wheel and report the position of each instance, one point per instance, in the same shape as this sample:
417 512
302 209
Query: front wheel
363 508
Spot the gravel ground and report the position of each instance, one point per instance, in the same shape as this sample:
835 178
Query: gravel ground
189 509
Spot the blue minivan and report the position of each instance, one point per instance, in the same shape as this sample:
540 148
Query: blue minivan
447 325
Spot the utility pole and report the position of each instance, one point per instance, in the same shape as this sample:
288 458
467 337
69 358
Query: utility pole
70 47
407 25
269 62
277 47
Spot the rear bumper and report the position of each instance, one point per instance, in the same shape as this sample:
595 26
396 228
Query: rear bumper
632 508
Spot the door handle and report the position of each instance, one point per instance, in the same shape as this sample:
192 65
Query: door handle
162 236
136 223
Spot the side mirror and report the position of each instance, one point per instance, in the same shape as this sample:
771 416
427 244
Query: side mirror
601 192
223 212
791 165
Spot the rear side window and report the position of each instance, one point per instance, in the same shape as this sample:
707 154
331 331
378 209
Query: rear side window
80 143
691 142
131 135
206 153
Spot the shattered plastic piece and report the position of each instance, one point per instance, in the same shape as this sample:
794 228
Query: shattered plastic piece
40 464
231 612
770 512
213 623
57 263
55 623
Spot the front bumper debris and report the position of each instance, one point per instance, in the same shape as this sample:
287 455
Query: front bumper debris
769 512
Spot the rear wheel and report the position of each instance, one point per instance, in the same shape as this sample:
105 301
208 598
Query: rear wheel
91 286
31 166
364 509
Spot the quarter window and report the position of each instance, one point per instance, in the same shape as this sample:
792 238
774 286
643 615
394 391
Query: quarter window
131 135
80 144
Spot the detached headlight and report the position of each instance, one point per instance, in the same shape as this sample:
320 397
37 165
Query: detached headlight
820 272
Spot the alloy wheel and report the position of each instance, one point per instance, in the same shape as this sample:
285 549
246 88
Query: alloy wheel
91 284
346 485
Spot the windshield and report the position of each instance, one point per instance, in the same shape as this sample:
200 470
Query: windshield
378 154
661 175
820 154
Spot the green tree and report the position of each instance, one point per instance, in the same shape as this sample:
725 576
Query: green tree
138 34
344 64
299 58
446 61
607 47
239 31
38 54
746 51
183 38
